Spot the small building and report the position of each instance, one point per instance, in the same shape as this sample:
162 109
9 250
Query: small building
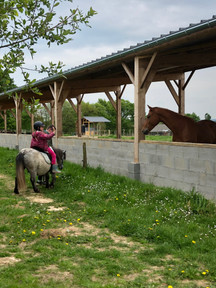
160 129
91 125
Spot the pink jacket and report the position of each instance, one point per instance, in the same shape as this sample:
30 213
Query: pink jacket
39 139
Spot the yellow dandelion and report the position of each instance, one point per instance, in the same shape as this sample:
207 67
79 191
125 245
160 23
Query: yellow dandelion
118 275
66 243
33 232
65 220
41 230
48 221
117 199
70 223
186 236
24 231
204 273
182 271
78 219
170 286
194 242
89 190
24 240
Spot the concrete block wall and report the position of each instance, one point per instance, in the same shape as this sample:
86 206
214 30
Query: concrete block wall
182 166
112 156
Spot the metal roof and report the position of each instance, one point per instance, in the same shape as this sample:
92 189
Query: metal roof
186 49
96 119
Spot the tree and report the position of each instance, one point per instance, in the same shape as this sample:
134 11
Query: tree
194 116
24 22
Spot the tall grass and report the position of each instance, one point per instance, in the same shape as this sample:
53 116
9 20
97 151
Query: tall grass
173 233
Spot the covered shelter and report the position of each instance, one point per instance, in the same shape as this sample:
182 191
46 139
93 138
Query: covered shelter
165 58
90 124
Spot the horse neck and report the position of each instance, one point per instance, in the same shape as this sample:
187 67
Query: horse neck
169 118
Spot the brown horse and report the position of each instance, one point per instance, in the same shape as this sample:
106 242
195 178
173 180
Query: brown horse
184 129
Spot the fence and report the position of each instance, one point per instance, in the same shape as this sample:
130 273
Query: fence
182 166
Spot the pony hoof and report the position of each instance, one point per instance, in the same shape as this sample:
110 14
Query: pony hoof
16 191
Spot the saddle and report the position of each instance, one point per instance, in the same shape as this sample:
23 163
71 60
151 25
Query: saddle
46 155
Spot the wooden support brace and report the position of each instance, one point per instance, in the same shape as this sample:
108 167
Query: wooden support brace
1 115
111 99
72 104
172 90
148 69
128 71
47 109
188 80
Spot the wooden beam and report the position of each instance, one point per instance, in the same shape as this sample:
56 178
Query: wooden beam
111 100
118 113
188 80
18 104
47 109
79 113
72 104
1 116
148 69
128 71
173 92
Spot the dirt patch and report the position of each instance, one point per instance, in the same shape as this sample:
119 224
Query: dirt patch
8 260
52 208
39 199
53 273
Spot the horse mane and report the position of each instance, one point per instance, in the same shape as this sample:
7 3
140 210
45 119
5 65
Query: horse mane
172 113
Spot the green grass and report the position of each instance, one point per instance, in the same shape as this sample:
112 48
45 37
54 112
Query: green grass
111 232
166 138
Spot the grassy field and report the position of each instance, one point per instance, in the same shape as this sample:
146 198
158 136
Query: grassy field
147 137
95 229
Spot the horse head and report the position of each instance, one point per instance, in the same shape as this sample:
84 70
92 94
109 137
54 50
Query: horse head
151 120
60 157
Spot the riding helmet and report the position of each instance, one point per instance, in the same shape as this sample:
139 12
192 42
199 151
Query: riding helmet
38 124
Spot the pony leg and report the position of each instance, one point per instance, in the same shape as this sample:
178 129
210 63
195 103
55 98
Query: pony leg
47 180
33 181
53 180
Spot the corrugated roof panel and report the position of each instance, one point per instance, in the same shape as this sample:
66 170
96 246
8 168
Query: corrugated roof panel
96 119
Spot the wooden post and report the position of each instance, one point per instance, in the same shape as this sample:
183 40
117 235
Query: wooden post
56 91
18 104
119 94
181 92
84 155
79 115
5 121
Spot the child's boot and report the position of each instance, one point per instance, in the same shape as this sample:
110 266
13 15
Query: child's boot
55 169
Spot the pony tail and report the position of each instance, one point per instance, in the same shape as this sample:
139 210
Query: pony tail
20 172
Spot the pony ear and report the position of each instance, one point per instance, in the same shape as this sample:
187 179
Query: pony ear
150 108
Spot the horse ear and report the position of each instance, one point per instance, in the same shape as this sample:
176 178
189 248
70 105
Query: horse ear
150 108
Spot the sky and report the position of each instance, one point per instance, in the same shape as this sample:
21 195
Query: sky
120 24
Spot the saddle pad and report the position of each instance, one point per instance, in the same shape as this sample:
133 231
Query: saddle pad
46 157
